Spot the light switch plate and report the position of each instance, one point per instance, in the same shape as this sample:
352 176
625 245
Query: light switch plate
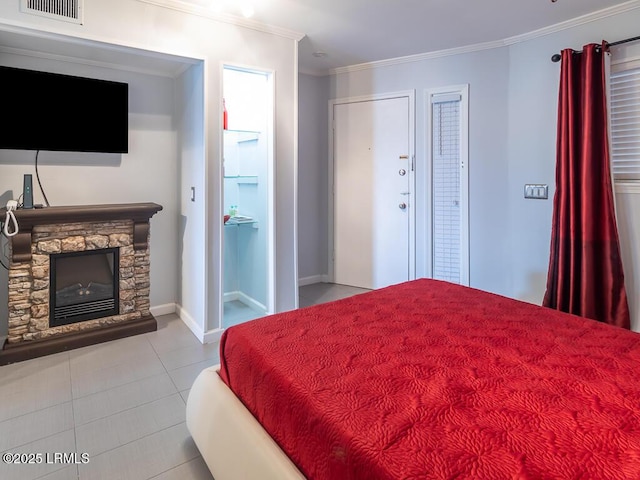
537 191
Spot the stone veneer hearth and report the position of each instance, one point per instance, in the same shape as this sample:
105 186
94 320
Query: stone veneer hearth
74 229
29 281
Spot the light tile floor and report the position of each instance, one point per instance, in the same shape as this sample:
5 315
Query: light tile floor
122 402
236 312
325 292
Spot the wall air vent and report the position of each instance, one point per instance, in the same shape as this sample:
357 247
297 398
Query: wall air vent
65 10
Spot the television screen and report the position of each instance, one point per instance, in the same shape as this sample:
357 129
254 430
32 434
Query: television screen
47 111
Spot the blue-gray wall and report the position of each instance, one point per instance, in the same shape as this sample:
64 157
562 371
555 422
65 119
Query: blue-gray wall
313 97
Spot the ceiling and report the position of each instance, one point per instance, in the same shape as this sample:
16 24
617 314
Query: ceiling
359 31
349 32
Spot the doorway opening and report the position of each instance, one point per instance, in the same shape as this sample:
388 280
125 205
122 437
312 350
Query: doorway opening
248 243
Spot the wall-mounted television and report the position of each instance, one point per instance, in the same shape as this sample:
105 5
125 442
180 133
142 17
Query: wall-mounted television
48 111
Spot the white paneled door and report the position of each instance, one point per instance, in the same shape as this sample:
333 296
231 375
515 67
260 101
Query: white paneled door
373 202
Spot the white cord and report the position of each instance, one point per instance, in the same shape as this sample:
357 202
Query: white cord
10 218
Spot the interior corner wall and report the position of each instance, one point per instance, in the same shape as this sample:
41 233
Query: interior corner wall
313 149
533 94
146 174
487 74
191 221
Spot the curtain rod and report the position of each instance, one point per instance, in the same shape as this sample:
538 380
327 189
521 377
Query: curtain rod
556 57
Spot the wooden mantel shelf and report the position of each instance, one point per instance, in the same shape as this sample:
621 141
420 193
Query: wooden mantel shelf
140 213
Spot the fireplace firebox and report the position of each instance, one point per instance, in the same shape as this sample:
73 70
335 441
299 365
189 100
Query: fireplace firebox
83 286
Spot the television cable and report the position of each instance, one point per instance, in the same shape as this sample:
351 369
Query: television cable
46 201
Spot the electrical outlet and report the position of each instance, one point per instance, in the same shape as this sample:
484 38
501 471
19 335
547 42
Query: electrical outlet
537 191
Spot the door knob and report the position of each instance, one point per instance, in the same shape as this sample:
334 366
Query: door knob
402 172
402 206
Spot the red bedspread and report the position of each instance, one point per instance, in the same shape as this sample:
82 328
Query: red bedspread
432 380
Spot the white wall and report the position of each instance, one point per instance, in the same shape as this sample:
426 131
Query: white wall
313 147
192 220
487 73
146 174
533 92
131 23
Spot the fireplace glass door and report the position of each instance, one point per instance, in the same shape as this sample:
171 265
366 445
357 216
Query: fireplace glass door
84 286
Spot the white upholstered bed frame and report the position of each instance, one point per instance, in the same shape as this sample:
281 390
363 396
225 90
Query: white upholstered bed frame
232 442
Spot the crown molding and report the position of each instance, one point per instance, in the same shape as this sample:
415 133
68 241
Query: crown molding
196 10
418 57
574 22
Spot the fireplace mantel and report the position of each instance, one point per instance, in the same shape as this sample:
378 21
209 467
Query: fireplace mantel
140 213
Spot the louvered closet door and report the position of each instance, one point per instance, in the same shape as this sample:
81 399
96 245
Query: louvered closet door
449 190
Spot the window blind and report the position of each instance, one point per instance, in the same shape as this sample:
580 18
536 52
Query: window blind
625 124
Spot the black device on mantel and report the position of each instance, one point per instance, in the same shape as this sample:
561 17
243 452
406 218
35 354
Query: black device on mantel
53 112
27 191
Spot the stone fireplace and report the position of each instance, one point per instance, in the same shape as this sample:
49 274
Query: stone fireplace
78 276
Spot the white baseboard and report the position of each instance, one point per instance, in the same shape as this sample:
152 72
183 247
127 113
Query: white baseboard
252 303
166 309
190 323
209 336
230 296
212 336
313 279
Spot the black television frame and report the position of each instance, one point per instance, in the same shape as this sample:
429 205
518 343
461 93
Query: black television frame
56 112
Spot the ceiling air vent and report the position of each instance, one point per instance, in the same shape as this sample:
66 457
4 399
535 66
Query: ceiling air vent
66 10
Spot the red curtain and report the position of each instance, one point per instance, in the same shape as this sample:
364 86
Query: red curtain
585 269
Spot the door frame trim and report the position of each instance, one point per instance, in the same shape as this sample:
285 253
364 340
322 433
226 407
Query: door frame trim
411 96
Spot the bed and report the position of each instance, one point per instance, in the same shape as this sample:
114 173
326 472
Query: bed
424 379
